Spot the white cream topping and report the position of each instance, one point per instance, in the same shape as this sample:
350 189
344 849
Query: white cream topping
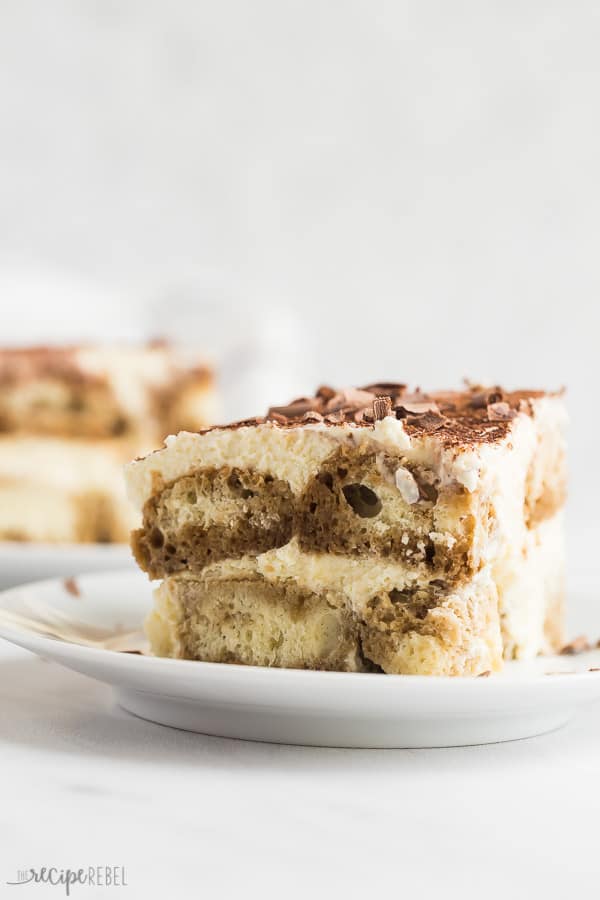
407 485
292 454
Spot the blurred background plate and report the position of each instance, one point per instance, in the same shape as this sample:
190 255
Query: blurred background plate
21 562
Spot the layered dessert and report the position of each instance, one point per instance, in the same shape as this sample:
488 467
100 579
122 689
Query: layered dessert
69 419
369 529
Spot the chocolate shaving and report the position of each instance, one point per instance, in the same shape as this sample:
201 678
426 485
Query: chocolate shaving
132 652
485 674
293 410
325 392
393 389
382 407
478 401
499 411
231 426
578 645
483 397
351 398
280 418
594 669
428 422
71 586
336 418
416 409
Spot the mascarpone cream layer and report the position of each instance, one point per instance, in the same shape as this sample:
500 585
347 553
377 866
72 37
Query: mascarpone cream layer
358 579
296 454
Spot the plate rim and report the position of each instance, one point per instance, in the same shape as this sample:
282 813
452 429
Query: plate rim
66 548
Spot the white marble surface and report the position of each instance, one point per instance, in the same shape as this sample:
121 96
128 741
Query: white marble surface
187 815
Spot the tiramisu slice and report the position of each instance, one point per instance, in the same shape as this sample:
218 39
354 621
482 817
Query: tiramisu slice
69 419
361 530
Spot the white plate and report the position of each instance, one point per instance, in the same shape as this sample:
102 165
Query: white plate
285 705
21 561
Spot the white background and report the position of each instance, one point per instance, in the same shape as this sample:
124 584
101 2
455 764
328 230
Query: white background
407 190
416 184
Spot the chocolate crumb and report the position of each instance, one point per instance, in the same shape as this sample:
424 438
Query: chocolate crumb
499 411
336 418
386 388
293 410
277 417
418 408
579 645
482 397
382 407
478 400
485 674
326 393
428 421
71 586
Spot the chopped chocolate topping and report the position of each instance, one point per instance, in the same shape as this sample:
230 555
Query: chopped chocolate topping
281 418
418 408
296 408
499 411
482 397
349 399
382 407
427 422
393 389
325 393
460 418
